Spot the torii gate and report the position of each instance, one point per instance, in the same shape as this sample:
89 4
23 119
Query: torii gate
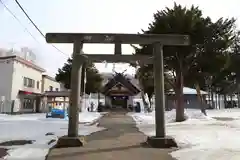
160 140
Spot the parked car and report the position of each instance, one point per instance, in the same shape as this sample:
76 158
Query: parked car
57 113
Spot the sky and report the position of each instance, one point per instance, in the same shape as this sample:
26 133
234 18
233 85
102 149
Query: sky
103 16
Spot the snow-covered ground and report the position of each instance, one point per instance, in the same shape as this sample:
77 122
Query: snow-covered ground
200 138
35 127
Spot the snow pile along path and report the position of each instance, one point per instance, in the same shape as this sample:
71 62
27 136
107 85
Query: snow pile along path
200 137
35 127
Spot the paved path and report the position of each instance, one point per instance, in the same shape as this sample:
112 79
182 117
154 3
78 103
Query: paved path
120 141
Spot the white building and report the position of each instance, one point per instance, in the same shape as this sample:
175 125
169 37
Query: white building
50 84
22 84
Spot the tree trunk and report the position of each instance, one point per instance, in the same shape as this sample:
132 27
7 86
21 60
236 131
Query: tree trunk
225 100
200 98
179 98
98 98
212 98
219 101
83 87
238 97
216 100
145 104
149 100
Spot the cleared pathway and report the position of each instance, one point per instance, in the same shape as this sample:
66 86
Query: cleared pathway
120 141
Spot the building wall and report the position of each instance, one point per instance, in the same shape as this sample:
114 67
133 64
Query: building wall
47 82
18 75
6 70
190 101
130 101
21 71
62 88
108 101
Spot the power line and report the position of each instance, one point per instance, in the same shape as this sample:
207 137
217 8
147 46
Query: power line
20 6
25 28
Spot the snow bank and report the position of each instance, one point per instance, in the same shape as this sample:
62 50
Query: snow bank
199 137
232 113
149 118
88 117
22 117
84 117
187 90
34 127
27 153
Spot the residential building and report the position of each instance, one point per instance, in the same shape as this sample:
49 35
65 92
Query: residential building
50 84
22 85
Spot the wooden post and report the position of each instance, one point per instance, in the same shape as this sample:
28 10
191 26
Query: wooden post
159 91
74 102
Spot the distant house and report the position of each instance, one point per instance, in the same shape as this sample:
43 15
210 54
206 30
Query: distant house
50 84
190 98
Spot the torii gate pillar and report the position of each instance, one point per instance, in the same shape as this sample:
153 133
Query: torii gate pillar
160 140
73 139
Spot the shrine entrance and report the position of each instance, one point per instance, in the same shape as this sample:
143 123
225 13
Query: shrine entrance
119 101
119 92
157 41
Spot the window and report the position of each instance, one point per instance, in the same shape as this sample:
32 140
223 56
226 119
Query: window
50 88
32 83
28 82
25 81
57 89
38 84
28 103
